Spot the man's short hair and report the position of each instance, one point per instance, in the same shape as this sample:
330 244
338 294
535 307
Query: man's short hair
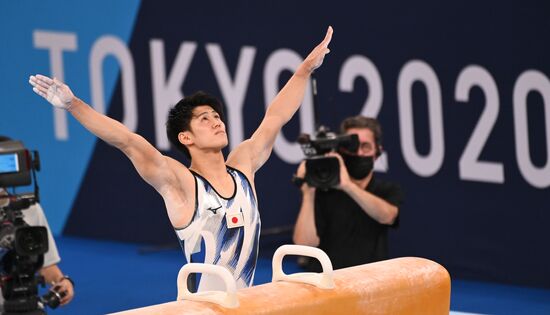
179 117
365 122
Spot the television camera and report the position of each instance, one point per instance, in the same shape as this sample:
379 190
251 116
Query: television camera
22 247
322 171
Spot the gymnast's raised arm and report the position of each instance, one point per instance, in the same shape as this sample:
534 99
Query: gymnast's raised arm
155 168
250 155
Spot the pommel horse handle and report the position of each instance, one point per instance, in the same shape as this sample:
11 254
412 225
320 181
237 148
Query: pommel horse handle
227 298
321 280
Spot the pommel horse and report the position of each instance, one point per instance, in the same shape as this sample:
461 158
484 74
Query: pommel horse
408 285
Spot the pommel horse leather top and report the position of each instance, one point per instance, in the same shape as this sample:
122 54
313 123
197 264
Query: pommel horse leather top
408 285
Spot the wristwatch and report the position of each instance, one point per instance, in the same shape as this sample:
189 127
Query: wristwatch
65 277
298 181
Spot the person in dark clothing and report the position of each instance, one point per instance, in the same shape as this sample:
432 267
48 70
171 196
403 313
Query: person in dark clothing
350 222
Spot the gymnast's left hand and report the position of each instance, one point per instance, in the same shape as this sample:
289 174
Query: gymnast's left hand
317 55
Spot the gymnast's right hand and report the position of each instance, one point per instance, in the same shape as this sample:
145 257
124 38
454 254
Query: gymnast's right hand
53 90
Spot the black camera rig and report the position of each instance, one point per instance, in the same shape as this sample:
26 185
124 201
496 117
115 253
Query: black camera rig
22 247
324 171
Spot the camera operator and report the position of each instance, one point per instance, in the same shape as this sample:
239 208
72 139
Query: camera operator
34 216
350 221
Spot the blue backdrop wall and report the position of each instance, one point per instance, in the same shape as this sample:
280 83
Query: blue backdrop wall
462 91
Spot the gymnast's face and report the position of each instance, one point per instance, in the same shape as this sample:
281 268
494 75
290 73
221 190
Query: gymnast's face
207 129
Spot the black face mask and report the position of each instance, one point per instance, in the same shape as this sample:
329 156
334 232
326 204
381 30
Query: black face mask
358 167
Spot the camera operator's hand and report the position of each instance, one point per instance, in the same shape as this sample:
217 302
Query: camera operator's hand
54 91
65 288
301 173
345 180
60 283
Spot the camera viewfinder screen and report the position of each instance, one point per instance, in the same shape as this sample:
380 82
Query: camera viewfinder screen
9 163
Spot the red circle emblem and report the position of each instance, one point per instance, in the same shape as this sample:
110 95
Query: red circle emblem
234 220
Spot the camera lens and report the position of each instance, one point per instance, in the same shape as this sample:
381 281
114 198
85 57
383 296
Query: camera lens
322 172
31 240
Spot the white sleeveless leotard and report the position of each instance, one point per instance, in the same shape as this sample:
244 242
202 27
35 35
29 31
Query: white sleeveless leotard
208 239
